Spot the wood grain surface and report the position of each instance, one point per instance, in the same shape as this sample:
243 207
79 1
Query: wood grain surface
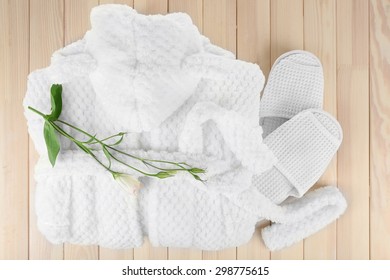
352 40
380 129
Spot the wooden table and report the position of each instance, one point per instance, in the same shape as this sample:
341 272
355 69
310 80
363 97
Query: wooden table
352 39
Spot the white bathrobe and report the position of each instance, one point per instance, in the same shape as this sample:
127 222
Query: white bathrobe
180 98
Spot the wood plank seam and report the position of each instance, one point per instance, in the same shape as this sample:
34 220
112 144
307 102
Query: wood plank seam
369 129
28 141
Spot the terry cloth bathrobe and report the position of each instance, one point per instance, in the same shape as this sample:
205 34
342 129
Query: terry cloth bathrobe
180 98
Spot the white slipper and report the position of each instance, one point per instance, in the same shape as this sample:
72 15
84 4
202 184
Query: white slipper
295 83
297 219
303 146
301 218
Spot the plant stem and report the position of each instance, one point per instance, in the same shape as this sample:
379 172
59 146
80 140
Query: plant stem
132 167
37 112
164 169
146 160
108 138
78 143
119 151
105 148
78 129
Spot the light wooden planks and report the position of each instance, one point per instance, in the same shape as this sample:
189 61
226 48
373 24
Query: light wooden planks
353 115
147 251
286 26
77 20
336 31
320 39
219 23
46 36
14 51
286 35
194 8
253 33
111 254
76 24
150 7
184 254
380 129
123 2
253 45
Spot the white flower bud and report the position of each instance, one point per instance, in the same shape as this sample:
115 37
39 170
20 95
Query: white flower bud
128 183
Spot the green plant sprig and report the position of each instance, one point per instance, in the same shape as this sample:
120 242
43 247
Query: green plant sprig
51 128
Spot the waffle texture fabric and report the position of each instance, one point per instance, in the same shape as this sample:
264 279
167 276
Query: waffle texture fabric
180 98
304 147
295 83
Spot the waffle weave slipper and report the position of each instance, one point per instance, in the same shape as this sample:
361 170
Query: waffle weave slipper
303 146
295 83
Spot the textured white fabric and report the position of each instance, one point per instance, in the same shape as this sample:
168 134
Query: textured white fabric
295 83
165 78
180 98
304 139
301 218
130 73
304 147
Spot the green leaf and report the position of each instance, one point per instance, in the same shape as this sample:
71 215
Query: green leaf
108 156
56 102
52 143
